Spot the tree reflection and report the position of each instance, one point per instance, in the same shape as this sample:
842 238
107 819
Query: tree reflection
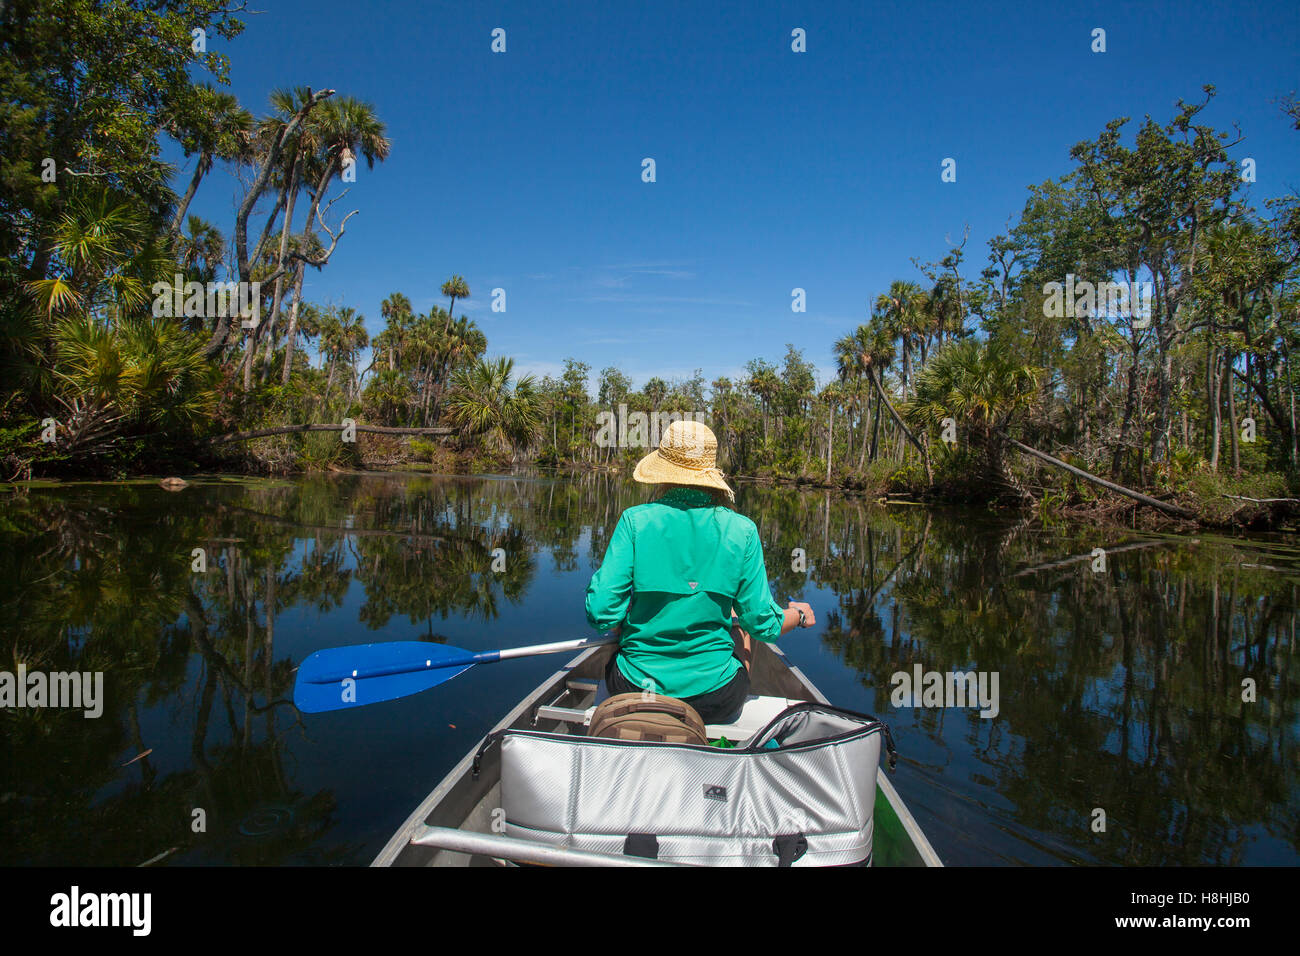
1120 689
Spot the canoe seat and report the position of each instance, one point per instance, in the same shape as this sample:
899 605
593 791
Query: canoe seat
754 716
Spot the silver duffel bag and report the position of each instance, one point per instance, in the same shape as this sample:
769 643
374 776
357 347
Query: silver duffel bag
799 792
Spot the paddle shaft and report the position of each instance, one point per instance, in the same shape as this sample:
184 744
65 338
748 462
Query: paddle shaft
465 660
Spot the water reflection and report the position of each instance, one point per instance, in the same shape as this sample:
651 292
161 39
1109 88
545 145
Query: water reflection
1121 685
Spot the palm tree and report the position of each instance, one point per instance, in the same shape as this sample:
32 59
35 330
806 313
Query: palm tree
397 313
339 128
851 403
217 127
423 345
344 127
201 248
141 374
982 388
902 309
1236 261
388 393
294 152
343 336
866 353
766 384
353 338
655 390
722 399
106 255
455 288
833 395
487 405
463 340
310 326
944 310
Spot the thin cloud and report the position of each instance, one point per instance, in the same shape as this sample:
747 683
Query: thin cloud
619 275
644 299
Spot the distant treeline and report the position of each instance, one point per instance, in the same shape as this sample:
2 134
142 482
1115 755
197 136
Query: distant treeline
1136 322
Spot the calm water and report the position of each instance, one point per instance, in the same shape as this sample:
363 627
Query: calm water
1119 689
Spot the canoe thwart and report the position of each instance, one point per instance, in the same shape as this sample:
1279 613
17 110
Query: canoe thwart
565 715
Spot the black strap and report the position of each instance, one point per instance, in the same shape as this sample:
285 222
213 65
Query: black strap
641 844
488 741
789 848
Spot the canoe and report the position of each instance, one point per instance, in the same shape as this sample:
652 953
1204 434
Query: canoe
452 826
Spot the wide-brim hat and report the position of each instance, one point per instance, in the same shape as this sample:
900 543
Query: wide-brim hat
687 455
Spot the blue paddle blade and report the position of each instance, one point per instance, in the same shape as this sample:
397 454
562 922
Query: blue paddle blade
339 678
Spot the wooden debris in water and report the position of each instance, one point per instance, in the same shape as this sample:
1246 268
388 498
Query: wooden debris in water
138 757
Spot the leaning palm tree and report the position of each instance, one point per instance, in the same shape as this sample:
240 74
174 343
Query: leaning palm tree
486 404
339 129
295 150
215 127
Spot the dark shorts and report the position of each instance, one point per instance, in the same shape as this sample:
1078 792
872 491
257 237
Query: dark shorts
719 706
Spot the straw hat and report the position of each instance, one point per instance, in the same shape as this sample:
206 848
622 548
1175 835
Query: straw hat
687 455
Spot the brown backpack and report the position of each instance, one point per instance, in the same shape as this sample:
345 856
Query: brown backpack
652 717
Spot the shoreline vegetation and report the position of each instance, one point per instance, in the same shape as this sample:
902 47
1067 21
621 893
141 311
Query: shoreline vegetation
1122 353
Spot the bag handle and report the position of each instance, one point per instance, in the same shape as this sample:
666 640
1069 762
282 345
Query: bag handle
789 848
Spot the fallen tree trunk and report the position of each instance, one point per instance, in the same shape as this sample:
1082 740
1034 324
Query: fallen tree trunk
1137 496
298 429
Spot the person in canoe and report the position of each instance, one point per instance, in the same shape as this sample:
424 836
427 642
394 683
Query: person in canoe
683 584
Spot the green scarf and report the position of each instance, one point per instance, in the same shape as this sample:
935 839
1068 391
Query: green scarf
687 497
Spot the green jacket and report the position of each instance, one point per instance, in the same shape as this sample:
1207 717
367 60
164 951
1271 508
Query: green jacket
672 573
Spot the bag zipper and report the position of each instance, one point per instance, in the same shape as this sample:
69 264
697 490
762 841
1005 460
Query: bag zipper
875 723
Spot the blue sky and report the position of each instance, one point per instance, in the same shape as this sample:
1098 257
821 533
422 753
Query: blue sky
775 169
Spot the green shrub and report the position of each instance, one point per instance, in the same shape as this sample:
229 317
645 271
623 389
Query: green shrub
1212 490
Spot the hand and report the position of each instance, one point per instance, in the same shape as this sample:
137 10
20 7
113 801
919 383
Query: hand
809 619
